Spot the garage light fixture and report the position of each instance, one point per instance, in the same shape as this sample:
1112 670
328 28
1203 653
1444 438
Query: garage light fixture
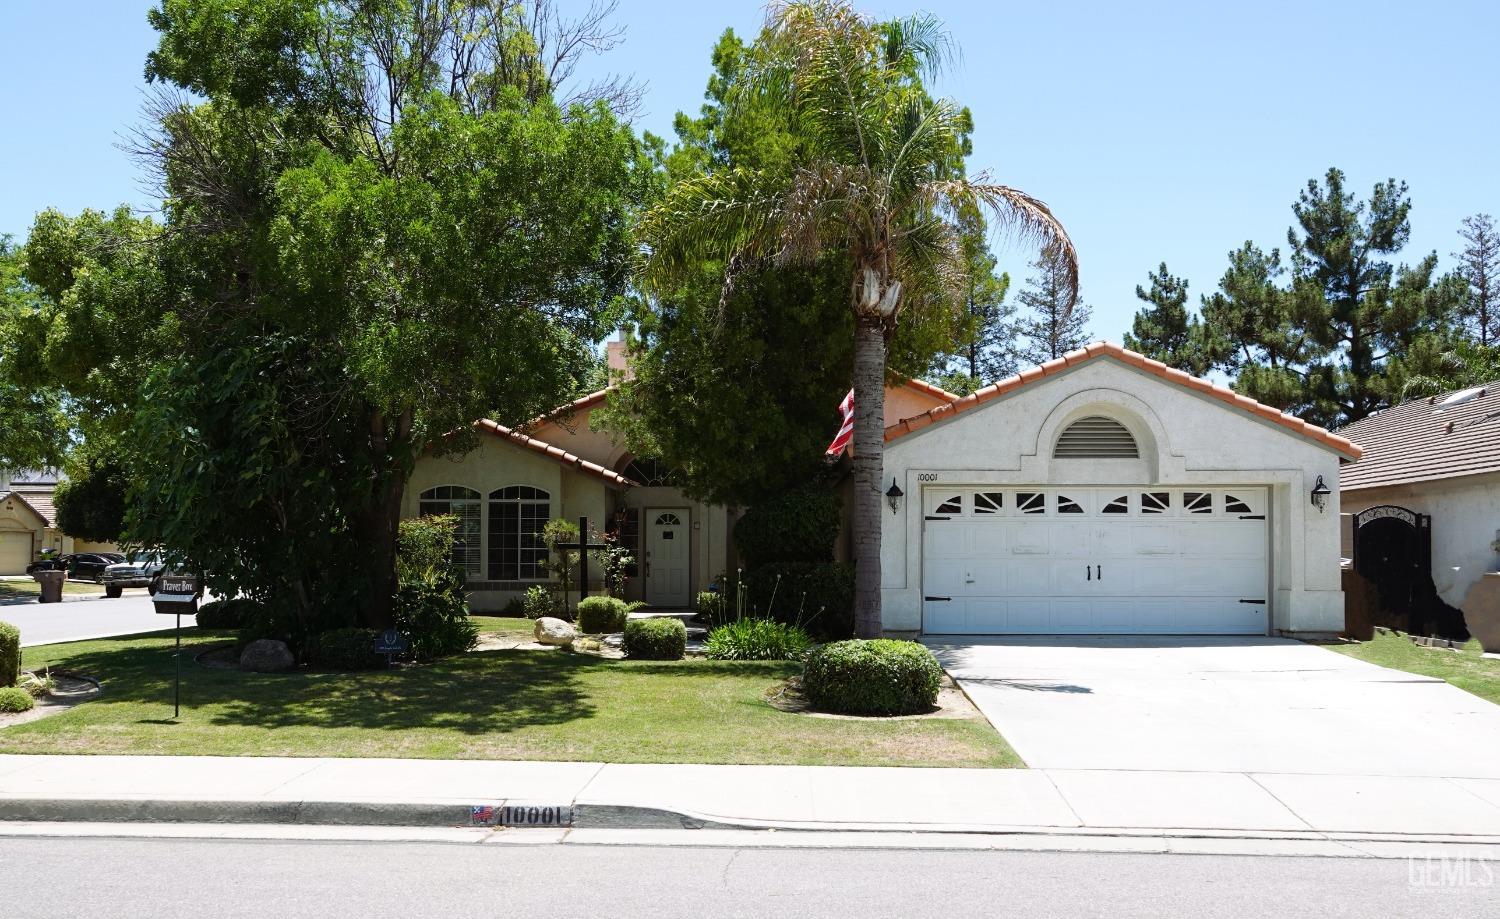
1320 495
893 495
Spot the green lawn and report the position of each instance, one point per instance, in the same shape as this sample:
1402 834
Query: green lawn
1468 669
483 705
28 589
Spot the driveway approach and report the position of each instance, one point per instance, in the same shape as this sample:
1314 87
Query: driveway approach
1220 705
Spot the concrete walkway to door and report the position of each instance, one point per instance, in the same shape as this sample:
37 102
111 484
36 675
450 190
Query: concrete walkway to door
1209 704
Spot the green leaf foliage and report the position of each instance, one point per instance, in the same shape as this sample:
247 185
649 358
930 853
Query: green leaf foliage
379 226
659 639
876 677
10 654
799 526
756 640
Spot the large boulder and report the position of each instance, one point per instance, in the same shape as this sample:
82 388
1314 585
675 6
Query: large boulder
550 631
267 655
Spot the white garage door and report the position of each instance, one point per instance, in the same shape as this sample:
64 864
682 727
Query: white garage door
15 552
1126 560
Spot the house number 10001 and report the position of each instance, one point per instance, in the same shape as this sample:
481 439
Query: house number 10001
927 477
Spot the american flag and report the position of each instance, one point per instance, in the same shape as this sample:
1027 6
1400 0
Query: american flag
846 427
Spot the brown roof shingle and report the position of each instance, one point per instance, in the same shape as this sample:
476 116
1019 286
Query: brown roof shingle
1415 442
556 453
1341 445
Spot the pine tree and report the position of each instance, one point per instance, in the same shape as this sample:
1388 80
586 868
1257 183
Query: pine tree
1051 329
1479 265
1165 330
988 351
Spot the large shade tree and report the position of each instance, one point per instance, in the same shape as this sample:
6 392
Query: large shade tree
379 225
879 180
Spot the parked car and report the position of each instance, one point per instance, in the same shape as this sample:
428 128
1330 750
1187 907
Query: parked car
47 563
89 566
137 571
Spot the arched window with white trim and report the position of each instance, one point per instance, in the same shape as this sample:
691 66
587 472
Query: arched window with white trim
463 503
516 551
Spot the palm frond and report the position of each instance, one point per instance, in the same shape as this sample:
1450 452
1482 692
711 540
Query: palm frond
920 42
1016 213
716 216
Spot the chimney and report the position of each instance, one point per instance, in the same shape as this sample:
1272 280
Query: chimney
614 354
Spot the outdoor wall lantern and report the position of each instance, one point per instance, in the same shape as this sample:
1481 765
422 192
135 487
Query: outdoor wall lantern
893 495
1320 495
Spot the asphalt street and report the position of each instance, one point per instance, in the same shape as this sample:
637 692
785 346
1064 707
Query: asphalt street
74 620
162 878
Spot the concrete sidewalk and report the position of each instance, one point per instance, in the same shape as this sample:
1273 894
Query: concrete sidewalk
437 793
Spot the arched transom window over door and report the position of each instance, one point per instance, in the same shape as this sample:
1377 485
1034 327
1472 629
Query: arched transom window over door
516 551
463 503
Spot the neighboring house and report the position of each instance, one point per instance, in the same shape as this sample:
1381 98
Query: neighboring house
1099 493
28 521
1440 460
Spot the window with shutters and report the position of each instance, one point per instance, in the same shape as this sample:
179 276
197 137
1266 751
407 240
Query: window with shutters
1096 437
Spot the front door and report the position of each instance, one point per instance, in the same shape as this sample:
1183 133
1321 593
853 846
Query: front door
667 558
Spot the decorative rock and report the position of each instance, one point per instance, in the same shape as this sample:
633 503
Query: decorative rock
550 631
266 655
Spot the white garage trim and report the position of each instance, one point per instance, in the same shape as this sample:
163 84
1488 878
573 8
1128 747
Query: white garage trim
1126 559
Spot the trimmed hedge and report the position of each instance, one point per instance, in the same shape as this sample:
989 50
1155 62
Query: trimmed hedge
228 614
817 597
600 615
872 677
663 639
10 654
344 649
15 699
799 526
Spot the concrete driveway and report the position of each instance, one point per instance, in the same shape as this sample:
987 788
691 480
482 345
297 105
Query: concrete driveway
1219 705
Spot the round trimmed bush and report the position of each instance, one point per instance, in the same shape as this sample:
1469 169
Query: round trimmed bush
600 615
227 614
10 654
15 699
344 649
663 639
872 677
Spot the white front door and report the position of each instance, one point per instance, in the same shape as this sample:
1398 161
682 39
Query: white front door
1128 559
667 557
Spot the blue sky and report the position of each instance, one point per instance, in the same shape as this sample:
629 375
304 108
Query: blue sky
1156 130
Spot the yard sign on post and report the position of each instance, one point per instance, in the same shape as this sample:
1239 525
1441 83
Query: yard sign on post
176 595
582 546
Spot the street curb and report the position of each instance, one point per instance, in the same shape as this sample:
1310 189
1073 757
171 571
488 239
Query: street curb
304 813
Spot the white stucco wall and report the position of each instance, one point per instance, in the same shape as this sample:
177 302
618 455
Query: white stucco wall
1465 516
1185 439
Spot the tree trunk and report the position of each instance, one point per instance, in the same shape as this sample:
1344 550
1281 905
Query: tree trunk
382 518
868 467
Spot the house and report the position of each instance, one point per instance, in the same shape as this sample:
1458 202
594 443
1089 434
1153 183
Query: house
562 465
1104 492
28 521
1099 493
1437 460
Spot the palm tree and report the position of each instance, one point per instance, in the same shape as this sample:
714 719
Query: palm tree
879 178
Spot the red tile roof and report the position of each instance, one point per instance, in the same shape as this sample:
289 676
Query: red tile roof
556 453
1101 349
1415 442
